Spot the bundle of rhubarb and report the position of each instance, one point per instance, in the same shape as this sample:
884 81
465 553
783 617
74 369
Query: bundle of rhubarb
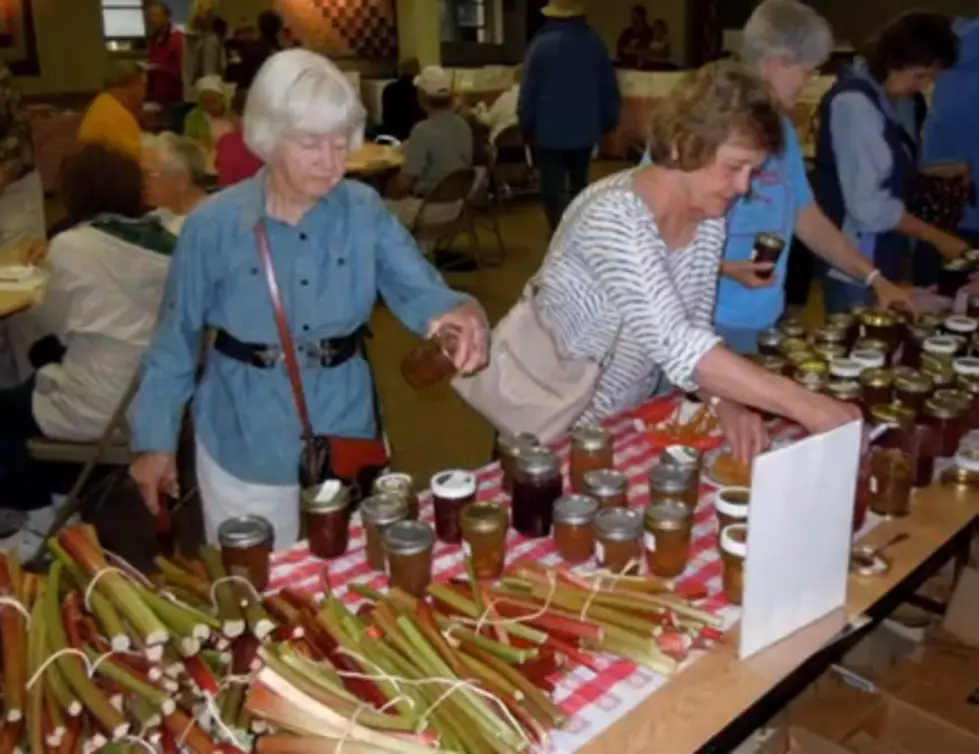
468 670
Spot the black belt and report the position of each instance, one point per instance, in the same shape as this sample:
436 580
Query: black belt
330 352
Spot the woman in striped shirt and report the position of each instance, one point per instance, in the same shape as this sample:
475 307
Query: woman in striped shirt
631 274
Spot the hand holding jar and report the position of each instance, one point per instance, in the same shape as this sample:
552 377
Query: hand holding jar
743 428
468 322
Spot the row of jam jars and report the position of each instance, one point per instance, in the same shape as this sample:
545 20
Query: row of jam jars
591 450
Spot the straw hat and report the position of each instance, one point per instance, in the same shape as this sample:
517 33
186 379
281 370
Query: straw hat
563 8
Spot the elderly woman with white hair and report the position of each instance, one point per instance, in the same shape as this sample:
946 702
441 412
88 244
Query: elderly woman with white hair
786 42
325 247
174 177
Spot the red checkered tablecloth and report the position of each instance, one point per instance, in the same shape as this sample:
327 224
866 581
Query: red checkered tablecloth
592 702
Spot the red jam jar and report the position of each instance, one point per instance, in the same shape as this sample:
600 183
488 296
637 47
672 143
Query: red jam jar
451 492
246 548
962 328
768 342
876 386
912 390
326 518
537 487
884 325
946 419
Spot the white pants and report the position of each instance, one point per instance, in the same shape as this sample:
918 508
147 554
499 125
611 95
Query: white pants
224 496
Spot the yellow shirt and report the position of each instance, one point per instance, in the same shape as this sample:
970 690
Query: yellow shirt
108 123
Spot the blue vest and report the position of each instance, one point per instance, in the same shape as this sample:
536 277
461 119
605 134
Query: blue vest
890 248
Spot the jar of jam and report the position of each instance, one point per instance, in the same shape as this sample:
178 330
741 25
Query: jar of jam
876 385
914 339
869 358
430 364
900 422
683 457
574 537
484 530
845 369
668 525
954 274
768 247
974 345
775 364
451 492
378 512
399 485
828 335
536 488
789 345
857 309
734 550
941 347
932 320
326 517
609 487
246 548
792 328
509 448
972 306
884 325
927 449
673 483
964 475
812 375
408 546
768 340
966 367
731 506
970 386
618 540
829 352
591 449
912 390
801 356
848 323
892 472
946 418
963 329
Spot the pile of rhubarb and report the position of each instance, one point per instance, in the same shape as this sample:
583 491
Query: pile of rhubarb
96 657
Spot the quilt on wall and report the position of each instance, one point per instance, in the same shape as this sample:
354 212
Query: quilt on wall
345 28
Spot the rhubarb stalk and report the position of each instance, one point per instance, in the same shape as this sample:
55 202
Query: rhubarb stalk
225 596
13 631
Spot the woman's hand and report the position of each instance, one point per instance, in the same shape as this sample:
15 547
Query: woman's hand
743 428
892 296
749 274
949 246
155 473
821 414
469 323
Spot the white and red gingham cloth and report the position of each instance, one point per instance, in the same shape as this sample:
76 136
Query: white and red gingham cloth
591 702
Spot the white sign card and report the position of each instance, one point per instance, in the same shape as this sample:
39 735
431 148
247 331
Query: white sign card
799 535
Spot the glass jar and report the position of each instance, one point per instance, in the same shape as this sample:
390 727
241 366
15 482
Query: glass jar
378 512
876 385
932 320
775 364
689 460
768 247
510 447
869 358
912 390
326 518
961 402
962 328
927 449
574 536
945 419
828 335
591 449
451 492
966 367
400 485
972 306
537 486
900 423
829 352
667 528
246 548
914 339
941 347
789 345
609 487
954 274
812 375
734 550
847 391
892 473
964 475
430 364
768 340
618 540
484 530
884 325
845 369
801 356
673 483
871 344
408 546
848 323
857 309
792 328
731 506
970 386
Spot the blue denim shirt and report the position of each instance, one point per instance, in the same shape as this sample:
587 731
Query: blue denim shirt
330 268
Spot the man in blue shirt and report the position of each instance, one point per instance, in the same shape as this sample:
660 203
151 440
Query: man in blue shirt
569 98
786 42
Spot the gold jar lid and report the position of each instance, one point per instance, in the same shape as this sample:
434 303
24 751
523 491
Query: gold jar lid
774 364
769 240
952 397
879 318
792 328
870 344
484 518
787 345
931 320
917 383
857 309
892 414
667 515
801 356
942 409
841 320
829 334
844 390
770 337
879 378
830 352
968 385
959 264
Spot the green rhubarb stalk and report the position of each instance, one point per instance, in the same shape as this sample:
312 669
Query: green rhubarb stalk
55 681
505 652
145 712
466 607
570 604
318 672
56 716
525 711
103 609
372 595
184 620
118 674
652 659
258 620
225 596
174 574
35 695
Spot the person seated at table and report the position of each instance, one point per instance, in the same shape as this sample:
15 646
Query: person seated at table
401 109
630 276
175 177
105 283
633 48
209 120
786 42
438 146
335 247
867 155
233 160
112 118
502 114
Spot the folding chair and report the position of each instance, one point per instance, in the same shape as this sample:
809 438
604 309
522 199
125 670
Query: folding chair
432 228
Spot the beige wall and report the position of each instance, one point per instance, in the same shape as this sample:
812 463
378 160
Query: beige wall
610 17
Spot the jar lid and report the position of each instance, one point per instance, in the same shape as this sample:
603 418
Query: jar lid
857 309
879 318
967 460
792 328
769 240
538 462
829 333
242 532
408 538
329 497
962 325
772 363
734 540
801 356
870 344
788 344
618 524
485 517
877 378
576 510
814 366
959 264
394 483
732 501
846 369
966 366
511 445
892 414
668 515
919 333
918 383
770 337
931 320
942 409
942 345
680 456
383 510
830 352
968 385
843 320
844 390
454 484
668 479
958 398
869 358
591 438
605 482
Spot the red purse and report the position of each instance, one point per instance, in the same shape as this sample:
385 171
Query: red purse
357 461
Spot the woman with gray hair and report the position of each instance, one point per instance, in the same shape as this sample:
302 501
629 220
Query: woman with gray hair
174 177
296 247
785 42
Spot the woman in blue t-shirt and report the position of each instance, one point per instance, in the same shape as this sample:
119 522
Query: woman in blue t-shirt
785 42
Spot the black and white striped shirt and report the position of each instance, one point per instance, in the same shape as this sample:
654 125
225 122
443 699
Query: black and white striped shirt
612 291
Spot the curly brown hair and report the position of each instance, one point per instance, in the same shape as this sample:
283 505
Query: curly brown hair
99 180
706 108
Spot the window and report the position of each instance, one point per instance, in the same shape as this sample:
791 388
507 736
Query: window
123 19
469 21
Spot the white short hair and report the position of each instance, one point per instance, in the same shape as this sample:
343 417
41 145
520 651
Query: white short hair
179 154
787 29
298 91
